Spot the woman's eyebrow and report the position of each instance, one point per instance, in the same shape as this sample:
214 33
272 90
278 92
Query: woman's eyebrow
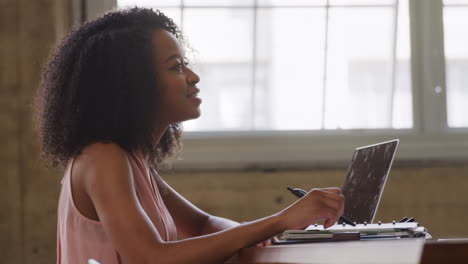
172 57
177 55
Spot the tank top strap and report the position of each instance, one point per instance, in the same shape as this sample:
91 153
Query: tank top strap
150 198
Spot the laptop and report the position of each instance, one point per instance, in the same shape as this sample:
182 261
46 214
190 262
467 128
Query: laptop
365 180
362 189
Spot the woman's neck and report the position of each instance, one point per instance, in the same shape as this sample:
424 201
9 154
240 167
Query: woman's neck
157 135
159 132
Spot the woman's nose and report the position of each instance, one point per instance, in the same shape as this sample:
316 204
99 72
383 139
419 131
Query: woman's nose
193 78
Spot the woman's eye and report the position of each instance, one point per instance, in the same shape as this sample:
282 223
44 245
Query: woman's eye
178 67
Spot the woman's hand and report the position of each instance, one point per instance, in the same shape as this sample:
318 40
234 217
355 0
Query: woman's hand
318 204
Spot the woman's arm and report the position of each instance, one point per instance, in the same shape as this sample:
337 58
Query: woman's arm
215 224
190 220
108 181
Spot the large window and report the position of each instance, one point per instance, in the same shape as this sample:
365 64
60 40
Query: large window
297 65
293 82
456 60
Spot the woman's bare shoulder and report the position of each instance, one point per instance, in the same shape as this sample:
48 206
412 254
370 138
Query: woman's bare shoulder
99 166
102 150
103 159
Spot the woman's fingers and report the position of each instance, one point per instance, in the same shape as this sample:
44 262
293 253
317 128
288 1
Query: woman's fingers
331 217
326 203
267 242
332 204
329 222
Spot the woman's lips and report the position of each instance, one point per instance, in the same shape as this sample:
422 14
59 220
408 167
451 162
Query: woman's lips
195 98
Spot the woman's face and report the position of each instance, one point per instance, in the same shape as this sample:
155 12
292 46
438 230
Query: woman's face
177 83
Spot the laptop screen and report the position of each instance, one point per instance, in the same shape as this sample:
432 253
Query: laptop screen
365 180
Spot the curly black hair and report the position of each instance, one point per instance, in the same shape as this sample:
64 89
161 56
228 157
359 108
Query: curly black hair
99 85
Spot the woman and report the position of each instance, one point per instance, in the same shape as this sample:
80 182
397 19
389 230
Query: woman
111 99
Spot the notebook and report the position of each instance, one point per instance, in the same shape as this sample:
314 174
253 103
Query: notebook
359 232
365 180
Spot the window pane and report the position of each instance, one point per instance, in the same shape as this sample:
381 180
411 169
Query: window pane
362 2
359 69
219 2
455 2
292 3
290 60
456 63
402 96
148 3
224 64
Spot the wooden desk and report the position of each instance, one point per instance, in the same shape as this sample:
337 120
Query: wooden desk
445 251
382 251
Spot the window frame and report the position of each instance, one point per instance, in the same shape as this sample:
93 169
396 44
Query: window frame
429 140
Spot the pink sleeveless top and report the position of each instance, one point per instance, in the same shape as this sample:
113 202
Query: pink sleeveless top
80 238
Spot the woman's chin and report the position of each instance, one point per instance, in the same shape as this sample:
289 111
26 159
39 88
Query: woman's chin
197 114
193 115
